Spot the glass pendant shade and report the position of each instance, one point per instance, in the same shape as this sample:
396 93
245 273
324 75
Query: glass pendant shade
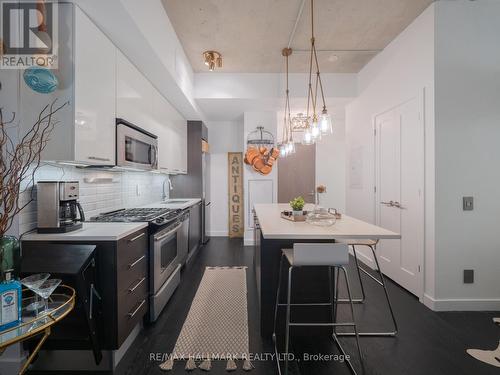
283 151
307 140
325 123
315 131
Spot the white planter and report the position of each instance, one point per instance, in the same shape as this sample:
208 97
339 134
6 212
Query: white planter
298 213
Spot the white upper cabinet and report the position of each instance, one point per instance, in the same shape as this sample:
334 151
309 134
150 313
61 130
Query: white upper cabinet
86 81
95 82
171 129
134 94
138 102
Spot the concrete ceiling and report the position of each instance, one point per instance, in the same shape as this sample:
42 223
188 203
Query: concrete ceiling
250 34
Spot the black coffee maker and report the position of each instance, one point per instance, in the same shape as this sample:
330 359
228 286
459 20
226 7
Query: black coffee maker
58 206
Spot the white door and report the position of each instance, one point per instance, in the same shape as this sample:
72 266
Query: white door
399 145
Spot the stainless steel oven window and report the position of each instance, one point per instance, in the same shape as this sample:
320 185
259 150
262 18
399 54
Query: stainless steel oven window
165 254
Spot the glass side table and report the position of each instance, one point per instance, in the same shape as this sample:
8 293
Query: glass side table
60 304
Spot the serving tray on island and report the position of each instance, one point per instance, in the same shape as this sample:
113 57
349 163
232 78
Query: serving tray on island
288 215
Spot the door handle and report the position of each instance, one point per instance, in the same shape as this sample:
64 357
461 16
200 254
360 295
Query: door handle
398 205
389 204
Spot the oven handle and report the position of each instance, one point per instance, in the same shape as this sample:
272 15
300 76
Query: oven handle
167 234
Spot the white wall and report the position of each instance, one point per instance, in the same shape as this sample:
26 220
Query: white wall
330 165
467 153
404 69
224 136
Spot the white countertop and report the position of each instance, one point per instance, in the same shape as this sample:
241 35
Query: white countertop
275 227
175 204
90 232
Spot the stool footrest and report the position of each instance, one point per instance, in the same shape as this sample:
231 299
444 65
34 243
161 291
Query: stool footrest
323 324
307 304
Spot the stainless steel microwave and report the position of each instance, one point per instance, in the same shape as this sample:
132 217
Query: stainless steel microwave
135 147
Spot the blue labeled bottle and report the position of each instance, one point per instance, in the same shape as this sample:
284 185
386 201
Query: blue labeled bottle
10 302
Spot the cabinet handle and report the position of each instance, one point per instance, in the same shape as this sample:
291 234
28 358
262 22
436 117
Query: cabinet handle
136 237
98 158
136 285
132 265
131 314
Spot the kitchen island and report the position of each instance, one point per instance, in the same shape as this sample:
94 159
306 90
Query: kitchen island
272 233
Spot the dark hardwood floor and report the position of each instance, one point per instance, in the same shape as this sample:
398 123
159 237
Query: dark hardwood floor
427 343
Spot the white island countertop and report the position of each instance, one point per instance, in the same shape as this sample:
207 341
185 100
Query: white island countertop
275 227
175 204
90 232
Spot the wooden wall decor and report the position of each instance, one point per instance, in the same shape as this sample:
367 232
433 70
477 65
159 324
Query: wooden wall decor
235 192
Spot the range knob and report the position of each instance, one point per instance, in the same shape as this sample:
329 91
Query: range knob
159 220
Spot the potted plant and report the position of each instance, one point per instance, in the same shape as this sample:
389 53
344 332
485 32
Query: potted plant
19 161
297 205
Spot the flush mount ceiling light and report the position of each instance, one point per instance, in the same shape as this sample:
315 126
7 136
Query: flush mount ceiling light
212 59
322 125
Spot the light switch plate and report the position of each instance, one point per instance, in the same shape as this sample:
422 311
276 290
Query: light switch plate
468 203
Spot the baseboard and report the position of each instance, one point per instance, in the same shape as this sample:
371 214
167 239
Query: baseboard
449 304
218 233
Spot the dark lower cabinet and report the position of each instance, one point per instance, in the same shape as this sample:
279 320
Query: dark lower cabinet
122 283
194 227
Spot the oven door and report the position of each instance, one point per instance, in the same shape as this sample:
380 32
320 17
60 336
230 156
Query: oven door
165 254
135 148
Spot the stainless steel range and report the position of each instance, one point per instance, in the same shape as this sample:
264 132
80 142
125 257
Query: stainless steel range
168 248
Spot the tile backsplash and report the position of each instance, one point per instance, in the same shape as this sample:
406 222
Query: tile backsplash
100 191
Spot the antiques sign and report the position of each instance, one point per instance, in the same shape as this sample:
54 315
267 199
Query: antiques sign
235 183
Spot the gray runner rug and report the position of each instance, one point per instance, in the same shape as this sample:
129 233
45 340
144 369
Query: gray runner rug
216 327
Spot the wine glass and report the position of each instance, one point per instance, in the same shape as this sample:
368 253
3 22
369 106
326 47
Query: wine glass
32 282
45 290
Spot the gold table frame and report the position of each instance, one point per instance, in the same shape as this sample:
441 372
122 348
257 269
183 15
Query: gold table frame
47 321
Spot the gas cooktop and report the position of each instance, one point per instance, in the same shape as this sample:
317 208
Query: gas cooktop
157 215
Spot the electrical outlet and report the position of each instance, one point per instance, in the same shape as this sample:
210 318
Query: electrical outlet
468 203
468 276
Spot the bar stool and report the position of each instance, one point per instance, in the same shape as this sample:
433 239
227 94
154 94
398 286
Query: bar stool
371 244
332 255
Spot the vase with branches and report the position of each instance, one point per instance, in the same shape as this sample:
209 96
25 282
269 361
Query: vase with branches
19 161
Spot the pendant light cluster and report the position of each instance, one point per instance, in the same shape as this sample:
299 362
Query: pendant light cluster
287 145
322 124
313 124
